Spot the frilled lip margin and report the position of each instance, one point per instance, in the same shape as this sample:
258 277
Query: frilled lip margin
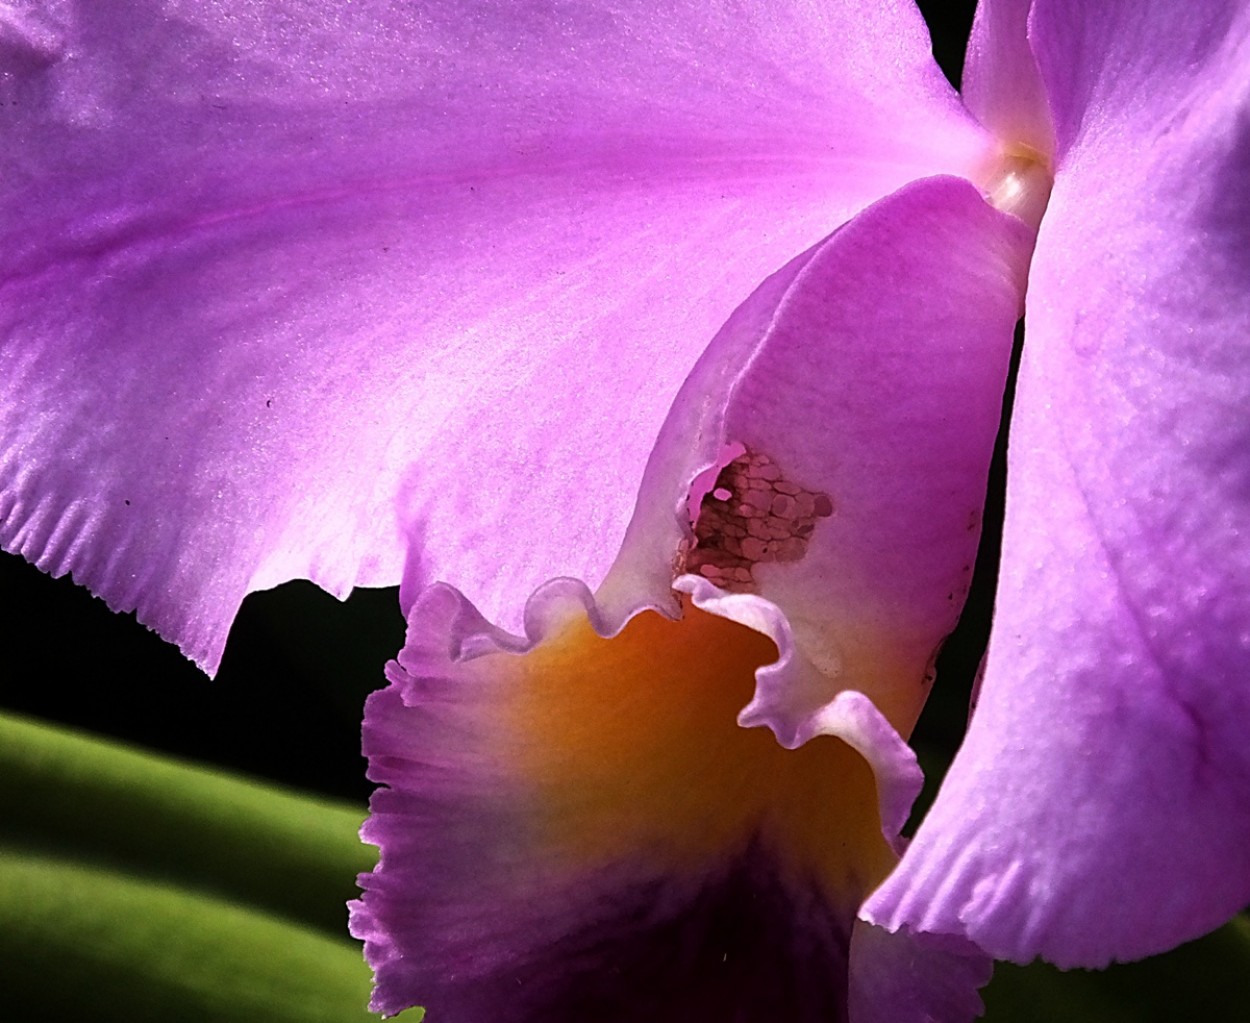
504 891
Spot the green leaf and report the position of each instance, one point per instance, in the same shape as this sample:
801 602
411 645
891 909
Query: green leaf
88 798
1207 979
79 942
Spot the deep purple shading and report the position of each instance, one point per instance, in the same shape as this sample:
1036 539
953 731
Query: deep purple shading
742 946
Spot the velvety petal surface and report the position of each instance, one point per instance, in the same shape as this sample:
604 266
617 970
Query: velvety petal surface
1100 807
362 291
574 823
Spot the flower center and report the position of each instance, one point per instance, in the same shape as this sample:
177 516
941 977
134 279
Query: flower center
631 744
1018 181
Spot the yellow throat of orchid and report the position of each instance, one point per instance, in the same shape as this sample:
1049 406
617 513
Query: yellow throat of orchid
633 743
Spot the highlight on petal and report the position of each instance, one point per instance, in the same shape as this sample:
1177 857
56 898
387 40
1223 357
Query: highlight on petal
575 827
354 291
1098 808
27 42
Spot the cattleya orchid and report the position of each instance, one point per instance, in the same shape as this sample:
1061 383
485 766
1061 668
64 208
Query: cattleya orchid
675 340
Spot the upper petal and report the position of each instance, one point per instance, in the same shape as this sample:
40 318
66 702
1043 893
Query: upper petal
1098 808
296 289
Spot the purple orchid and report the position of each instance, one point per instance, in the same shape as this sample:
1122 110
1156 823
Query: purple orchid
379 292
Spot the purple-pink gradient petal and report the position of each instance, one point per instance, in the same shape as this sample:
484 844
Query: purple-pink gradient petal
479 912
1098 808
369 291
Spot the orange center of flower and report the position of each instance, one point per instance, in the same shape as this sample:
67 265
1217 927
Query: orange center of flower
632 744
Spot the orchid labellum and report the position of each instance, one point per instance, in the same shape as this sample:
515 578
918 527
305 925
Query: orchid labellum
658 351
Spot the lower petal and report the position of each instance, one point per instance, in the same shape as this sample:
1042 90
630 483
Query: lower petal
574 827
903 976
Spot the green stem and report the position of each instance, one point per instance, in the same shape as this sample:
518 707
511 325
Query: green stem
92 799
78 942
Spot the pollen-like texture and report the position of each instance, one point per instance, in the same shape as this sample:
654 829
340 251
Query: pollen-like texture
752 515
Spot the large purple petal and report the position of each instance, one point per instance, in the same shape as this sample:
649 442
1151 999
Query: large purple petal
1100 807
299 289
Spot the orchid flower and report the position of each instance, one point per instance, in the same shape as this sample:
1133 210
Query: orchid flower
658 354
